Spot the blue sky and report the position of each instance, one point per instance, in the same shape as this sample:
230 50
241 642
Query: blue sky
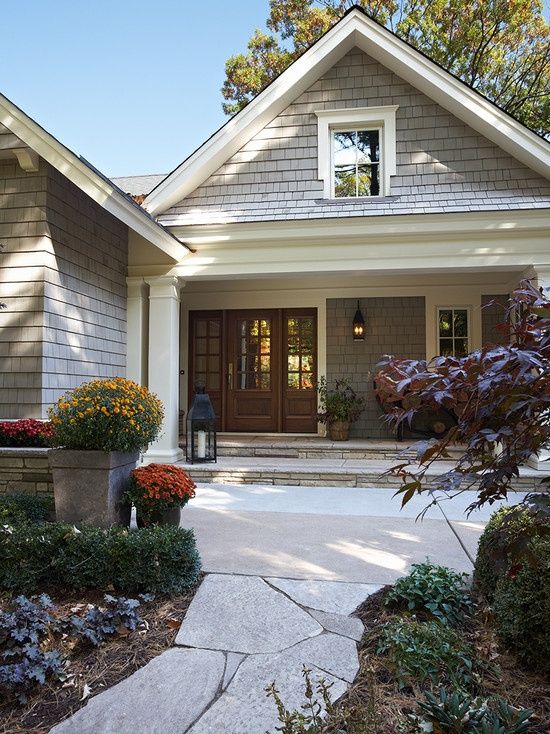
134 87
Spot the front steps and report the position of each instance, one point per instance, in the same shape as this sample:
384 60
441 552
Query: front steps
314 462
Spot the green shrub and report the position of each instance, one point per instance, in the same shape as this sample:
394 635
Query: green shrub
522 610
434 590
459 713
19 507
421 651
159 560
492 558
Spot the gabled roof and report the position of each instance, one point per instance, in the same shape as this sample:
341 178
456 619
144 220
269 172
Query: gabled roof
88 179
355 28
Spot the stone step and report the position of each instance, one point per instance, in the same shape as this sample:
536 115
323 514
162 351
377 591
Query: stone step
316 448
319 472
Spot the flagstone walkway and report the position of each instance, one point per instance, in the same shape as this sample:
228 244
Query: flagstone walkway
240 634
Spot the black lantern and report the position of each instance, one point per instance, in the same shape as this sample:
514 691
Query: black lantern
358 325
201 429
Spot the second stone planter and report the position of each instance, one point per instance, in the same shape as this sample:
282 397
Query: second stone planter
89 485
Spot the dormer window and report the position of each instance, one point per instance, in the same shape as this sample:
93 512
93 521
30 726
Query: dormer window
356 151
356 163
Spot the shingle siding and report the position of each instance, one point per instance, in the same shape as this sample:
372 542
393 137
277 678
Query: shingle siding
394 325
63 279
442 164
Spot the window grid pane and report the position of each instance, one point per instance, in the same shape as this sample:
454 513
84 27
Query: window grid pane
356 156
453 332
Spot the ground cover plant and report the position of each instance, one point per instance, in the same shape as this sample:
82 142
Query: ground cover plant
420 673
88 668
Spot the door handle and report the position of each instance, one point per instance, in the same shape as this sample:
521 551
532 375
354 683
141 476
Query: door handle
230 375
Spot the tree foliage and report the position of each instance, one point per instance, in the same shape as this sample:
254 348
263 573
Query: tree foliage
500 395
498 47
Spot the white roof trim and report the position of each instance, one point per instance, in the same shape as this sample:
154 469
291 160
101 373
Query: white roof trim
88 180
354 29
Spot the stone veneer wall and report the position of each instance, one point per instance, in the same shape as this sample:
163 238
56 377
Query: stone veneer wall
491 315
394 325
63 279
25 470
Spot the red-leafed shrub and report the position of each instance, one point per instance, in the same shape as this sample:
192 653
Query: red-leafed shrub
26 433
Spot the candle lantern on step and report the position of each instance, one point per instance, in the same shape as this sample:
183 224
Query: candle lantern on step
201 429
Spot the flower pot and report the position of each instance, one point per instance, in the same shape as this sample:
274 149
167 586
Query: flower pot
88 486
339 430
167 516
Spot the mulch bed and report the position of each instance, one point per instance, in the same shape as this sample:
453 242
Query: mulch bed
375 705
98 668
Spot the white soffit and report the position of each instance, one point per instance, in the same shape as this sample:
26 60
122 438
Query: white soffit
354 29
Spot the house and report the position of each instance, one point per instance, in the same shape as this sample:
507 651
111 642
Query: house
364 174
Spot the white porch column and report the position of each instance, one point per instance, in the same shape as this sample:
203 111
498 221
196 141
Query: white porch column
137 319
542 275
164 316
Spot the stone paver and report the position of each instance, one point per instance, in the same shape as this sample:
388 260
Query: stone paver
243 614
244 707
326 596
351 627
234 659
165 696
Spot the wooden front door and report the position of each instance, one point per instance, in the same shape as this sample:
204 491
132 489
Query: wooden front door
259 367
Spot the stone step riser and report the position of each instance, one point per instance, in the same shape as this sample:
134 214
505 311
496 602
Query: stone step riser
309 479
328 453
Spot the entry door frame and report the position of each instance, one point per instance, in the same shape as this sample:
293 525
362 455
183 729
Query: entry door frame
283 392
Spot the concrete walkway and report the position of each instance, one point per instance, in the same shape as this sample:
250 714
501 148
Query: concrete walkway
337 534
287 567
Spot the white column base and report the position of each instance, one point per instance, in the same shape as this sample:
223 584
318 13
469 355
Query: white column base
540 462
160 456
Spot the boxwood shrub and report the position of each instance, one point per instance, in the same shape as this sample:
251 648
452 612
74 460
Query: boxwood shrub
522 610
20 507
494 538
158 560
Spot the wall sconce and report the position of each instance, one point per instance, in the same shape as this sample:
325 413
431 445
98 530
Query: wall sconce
358 325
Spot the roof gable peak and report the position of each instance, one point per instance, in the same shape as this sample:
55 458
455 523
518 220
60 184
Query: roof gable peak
355 29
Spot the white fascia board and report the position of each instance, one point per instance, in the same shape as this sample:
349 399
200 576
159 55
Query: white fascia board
253 118
453 95
355 29
85 178
520 221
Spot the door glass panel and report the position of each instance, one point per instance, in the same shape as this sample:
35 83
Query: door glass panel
300 345
207 353
254 354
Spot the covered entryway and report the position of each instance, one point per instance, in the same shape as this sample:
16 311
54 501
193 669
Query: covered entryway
258 366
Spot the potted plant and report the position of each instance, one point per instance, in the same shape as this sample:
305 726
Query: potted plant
158 492
100 429
339 408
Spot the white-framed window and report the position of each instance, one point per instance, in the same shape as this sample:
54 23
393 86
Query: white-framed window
453 331
356 151
356 162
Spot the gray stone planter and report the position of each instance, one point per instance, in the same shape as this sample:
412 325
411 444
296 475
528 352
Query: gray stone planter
88 486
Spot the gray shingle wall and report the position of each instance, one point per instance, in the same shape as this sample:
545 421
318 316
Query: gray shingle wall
492 314
85 291
62 277
23 232
394 325
442 164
